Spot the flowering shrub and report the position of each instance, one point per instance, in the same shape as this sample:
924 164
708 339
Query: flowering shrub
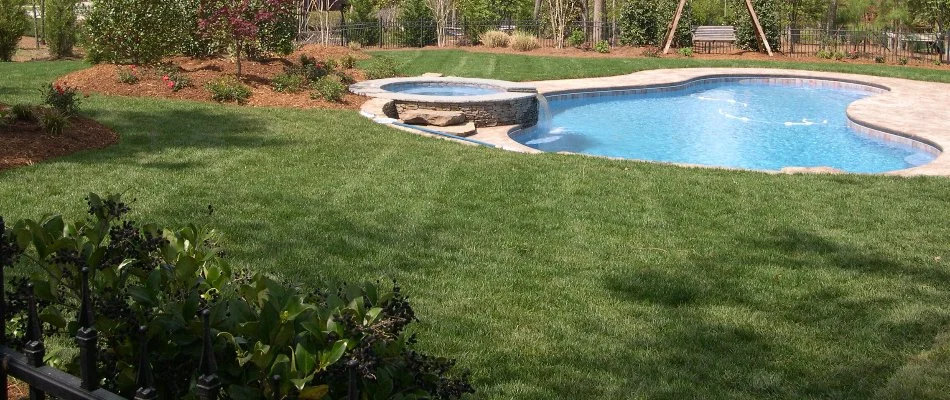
13 23
133 31
129 76
228 88
176 81
63 98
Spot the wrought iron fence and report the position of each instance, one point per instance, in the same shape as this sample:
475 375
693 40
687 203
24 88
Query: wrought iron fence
884 46
44 380
395 33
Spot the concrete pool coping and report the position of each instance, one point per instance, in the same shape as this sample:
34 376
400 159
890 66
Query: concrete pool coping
911 109
509 90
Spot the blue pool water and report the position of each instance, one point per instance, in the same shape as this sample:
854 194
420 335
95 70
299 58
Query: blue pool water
439 89
739 125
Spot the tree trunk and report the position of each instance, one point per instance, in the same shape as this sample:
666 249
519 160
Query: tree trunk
237 56
832 15
537 8
598 21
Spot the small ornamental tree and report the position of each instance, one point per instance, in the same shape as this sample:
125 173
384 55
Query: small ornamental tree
239 22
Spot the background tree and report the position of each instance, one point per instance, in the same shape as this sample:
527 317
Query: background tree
13 24
60 20
420 28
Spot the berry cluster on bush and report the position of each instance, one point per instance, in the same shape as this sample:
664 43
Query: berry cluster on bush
273 339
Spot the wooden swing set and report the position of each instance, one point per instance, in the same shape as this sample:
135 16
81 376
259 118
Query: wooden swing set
748 5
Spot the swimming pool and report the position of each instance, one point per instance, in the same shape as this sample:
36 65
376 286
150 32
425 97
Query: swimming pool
738 124
442 89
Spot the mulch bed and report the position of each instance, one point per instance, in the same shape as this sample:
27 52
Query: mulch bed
25 143
104 79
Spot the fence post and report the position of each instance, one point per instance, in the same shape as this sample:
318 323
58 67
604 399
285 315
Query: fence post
4 394
144 379
352 391
35 350
88 339
208 382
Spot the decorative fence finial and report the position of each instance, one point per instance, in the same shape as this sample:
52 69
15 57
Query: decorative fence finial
88 339
208 382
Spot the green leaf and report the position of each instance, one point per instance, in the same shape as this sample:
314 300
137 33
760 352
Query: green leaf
334 355
372 315
142 295
52 316
306 361
314 393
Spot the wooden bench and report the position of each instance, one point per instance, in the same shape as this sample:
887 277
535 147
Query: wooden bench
709 35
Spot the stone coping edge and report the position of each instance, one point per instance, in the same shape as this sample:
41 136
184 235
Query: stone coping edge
511 90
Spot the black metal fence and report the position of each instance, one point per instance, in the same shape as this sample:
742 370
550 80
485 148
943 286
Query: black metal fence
396 33
882 45
44 380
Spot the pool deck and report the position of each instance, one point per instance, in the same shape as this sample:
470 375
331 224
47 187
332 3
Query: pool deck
911 109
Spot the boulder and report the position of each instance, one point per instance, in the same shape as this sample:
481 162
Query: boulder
459 130
430 117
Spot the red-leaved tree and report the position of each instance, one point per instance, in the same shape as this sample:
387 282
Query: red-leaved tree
239 22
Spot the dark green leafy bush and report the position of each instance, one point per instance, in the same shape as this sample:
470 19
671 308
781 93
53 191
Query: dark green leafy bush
381 67
644 23
164 279
367 32
228 88
768 12
13 24
61 29
602 47
287 82
63 98
329 88
134 31
420 31
577 38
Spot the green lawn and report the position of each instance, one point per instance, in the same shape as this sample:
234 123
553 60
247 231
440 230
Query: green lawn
517 67
549 276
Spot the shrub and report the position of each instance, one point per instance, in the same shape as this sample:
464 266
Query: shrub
13 24
902 60
128 76
495 39
347 62
287 82
311 69
880 59
577 38
381 67
61 27
329 88
355 46
22 112
365 25
644 23
63 98
421 31
602 47
228 88
837 55
169 279
522 41
852 55
768 12
173 78
686 51
825 54
53 121
652 52
937 62
345 78
133 31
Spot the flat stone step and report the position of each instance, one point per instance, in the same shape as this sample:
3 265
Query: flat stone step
432 117
459 130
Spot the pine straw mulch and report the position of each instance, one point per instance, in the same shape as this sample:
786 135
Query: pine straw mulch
104 79
26 143
17 390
